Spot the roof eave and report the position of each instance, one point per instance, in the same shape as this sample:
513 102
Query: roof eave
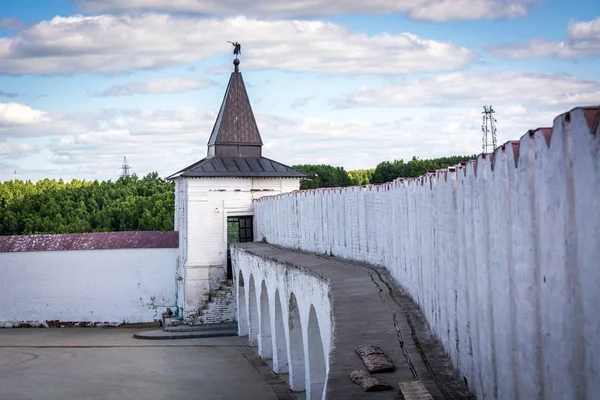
240 175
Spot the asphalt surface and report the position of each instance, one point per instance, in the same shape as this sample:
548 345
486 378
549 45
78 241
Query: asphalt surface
107 364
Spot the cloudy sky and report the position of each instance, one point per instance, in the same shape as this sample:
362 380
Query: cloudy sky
345 82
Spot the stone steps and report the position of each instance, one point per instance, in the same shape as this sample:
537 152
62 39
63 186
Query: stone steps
220 308
201 328
190 332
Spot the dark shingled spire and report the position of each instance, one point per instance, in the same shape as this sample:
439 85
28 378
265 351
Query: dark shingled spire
235 133
235 146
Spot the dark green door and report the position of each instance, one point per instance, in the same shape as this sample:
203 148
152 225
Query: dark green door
239 230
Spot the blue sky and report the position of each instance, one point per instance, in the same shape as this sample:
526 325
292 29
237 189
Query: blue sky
85 82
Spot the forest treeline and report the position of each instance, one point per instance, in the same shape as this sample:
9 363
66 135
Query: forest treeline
50 206
136 204
329 176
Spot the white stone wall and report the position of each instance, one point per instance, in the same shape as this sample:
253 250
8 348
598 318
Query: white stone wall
92 286
202 207
504 262
268 287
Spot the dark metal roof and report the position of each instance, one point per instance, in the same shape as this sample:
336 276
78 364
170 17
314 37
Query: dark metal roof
90 241
235 124
240 167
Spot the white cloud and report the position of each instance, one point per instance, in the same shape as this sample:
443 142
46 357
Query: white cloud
21 121
151 140
364 144
425 10
120 43
167 123
583 40
169 140
15 114
158 86
462 90
17 150
445 10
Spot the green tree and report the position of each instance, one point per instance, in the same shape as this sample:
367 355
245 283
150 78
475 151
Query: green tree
388 171
360 177
51 206
323 176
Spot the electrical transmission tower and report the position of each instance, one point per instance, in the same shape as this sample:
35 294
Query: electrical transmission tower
488 127
125 167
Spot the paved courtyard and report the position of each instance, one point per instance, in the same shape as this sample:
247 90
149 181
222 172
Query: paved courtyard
107 364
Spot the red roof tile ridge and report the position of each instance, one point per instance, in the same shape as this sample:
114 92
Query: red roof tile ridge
90 241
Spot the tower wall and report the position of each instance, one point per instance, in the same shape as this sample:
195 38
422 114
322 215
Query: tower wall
202 208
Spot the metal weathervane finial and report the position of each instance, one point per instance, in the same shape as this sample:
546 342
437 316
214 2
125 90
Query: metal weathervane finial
237 50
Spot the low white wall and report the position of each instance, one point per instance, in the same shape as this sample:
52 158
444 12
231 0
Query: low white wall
269 285
504 263
96 286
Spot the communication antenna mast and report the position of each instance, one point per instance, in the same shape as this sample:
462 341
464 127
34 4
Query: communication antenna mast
488 127
126 168
15 175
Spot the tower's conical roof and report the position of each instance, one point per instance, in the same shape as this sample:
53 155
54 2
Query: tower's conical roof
235 124
235 145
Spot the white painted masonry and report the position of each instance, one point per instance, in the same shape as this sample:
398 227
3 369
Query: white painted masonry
202 206
503 262
97 286
287 312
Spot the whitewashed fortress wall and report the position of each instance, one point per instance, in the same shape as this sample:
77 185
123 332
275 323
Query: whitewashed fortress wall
502 255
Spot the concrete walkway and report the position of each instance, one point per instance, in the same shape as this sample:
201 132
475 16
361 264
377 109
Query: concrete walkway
369 308
107 364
